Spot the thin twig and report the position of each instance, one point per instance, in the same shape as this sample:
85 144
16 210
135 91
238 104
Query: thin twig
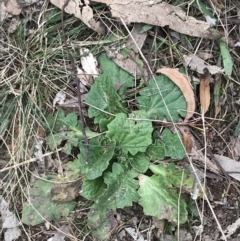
74 69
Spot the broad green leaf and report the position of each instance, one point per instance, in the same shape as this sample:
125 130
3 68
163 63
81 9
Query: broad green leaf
119 191
103 124
100 221
72 169
93 189
152 102
72 133
130 135
103 98
160 200
145 28
227 59
156 151
118 75
72 138
176 177
41 207
71 121
53 123
139 162
121 188
67 187
54 140
99 155
168 146
172 144
237 130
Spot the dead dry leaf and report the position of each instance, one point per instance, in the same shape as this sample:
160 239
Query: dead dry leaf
138 37
197 64
182 82
161 14
230 166
126 63
10 222
81 10
85 80
235 145
231 229
3 13
89 64
204 55
187 141
205 90
60 236
60 97
13 7
73 102
13 24
24 3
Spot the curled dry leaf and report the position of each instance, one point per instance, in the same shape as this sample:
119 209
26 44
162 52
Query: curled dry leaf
89 62
2 11
205 90
15 21
187 141
230 166
13 7
81 10
197 64
85 80
127 64
162 14
60 97
181 81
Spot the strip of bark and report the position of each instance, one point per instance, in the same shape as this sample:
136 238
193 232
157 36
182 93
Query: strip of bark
205 90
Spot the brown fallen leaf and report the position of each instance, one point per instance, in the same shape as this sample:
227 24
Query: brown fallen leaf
128 64
13 7
187 141
197 64
161 14
230 166
181 81
138 37
205 90
3 13
82 11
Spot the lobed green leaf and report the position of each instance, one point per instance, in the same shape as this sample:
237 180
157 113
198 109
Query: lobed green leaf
169 105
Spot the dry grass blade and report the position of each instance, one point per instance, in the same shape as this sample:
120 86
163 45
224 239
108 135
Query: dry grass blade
181 81
205 90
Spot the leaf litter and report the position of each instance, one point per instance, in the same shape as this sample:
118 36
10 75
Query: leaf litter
10 222
168 142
